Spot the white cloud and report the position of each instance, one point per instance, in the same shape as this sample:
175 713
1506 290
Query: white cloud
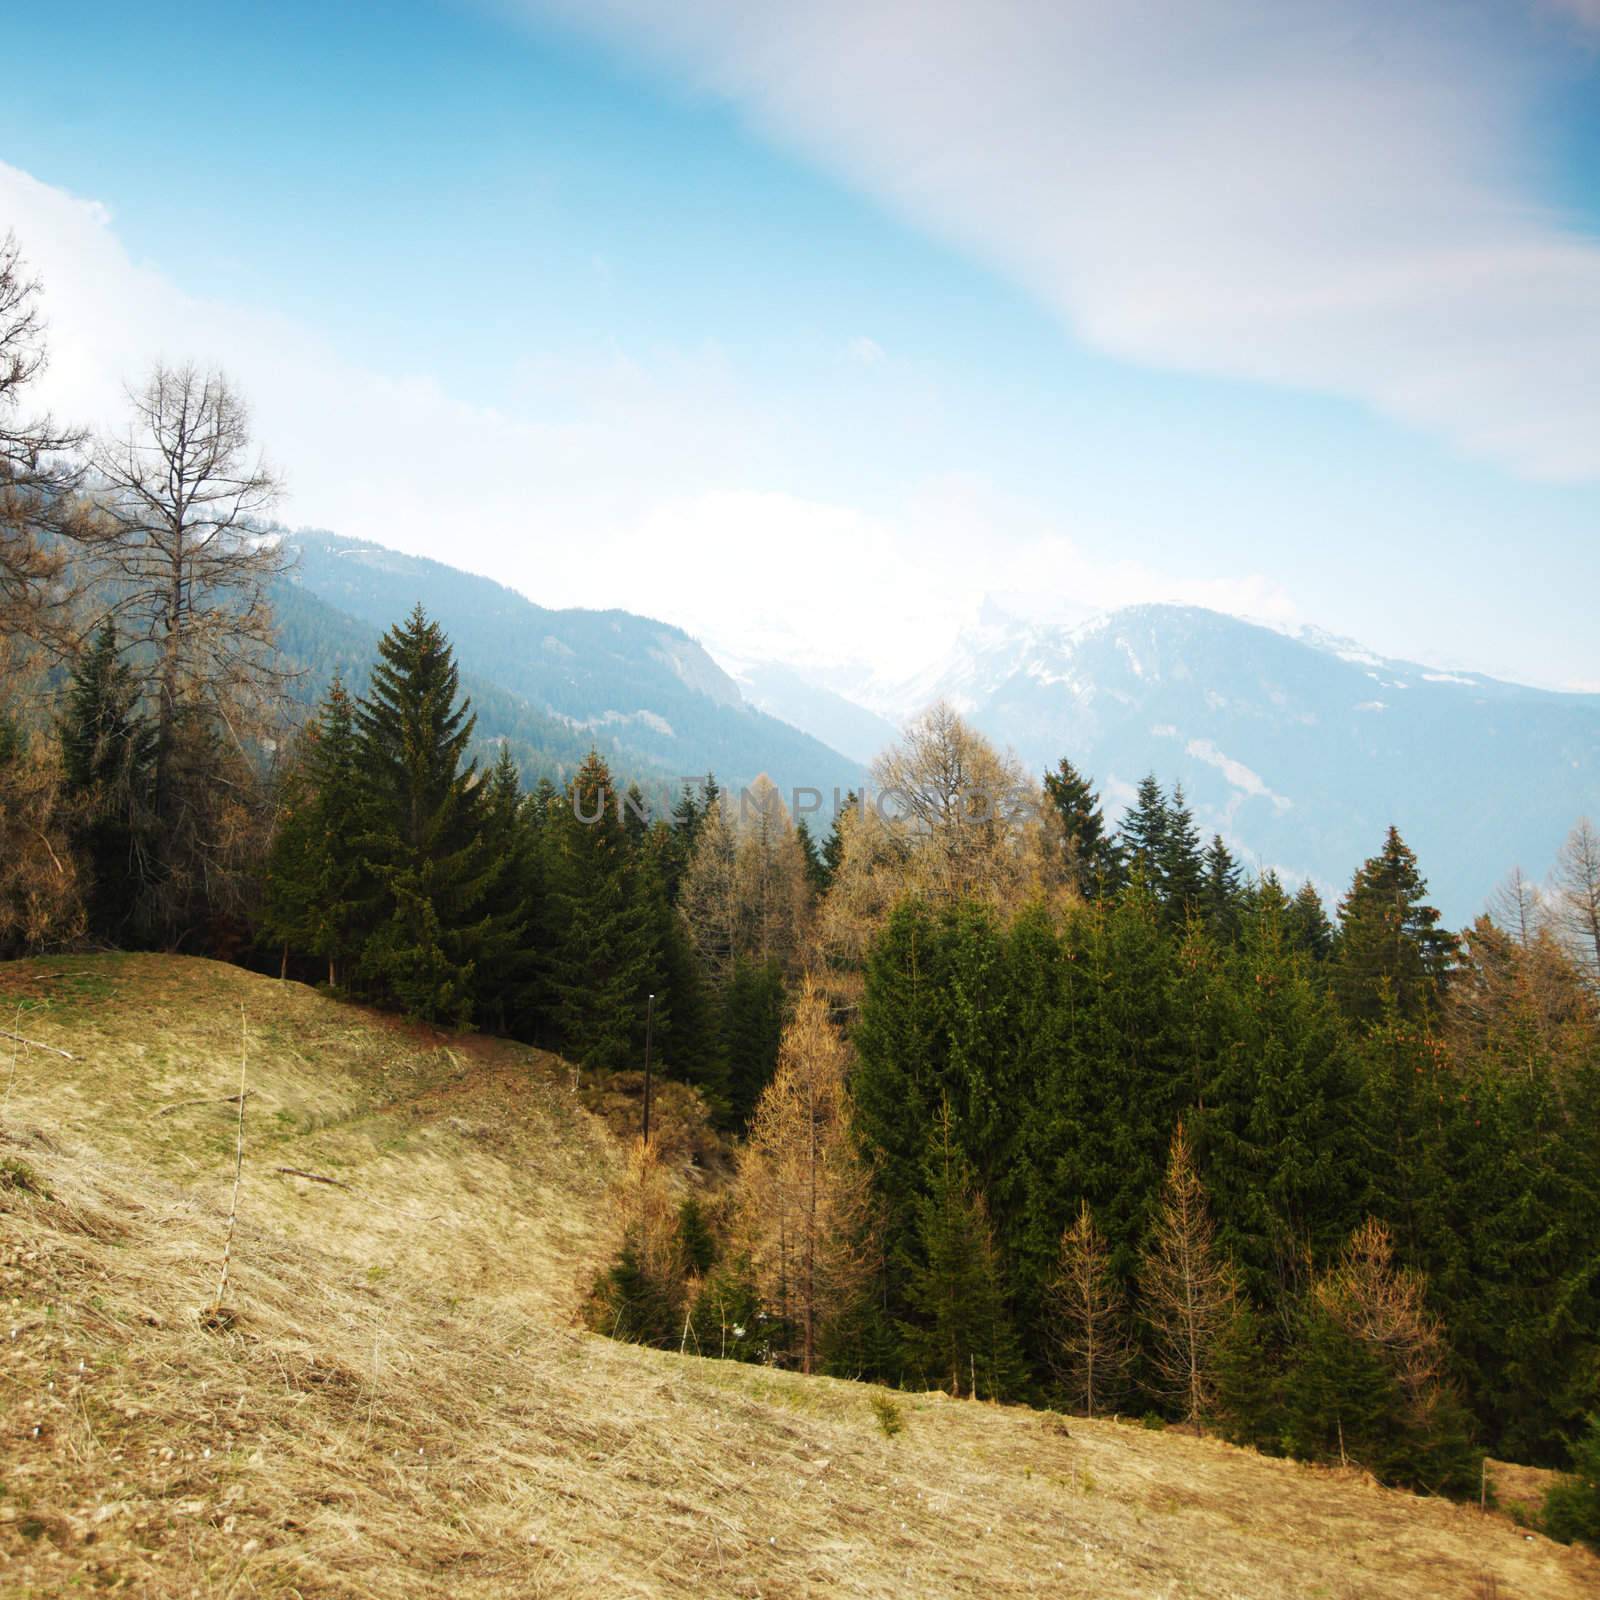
867 352
1331 197
613 482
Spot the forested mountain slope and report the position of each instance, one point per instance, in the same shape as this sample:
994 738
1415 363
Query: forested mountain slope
1299 749
395 1399
642 692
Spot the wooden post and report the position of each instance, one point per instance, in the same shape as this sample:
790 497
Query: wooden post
649 1020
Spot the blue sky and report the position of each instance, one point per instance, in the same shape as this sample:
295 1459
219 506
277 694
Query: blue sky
805 327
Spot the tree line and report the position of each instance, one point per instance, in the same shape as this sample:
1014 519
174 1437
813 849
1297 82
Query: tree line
1121 1129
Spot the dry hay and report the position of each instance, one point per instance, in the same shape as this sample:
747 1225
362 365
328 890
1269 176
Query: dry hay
397 1405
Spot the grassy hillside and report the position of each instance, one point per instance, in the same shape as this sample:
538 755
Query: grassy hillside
400 1403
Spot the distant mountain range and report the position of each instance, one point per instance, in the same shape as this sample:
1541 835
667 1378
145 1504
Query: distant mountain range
1299 749
551 683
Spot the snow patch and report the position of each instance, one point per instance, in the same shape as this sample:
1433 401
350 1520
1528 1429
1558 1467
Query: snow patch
1236 772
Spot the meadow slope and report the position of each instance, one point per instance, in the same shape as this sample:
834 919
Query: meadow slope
401 1402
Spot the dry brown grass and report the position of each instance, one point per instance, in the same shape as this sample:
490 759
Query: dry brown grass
402 1407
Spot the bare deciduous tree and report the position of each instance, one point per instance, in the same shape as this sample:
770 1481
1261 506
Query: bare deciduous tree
39 475
1187 1286
708 898
951 818
803 1206
744 893
1089 1318
1522 1003
189 569
1577 883
1383 1307
1517 907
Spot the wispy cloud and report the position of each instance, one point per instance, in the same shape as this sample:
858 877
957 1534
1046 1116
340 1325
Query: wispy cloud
1327 197
616 481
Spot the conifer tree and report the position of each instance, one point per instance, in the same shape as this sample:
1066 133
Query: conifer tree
432 871
1187 1290
1222 896
1117 1077
1089 1336
708 895
108 751
1280 1125
1143 834
751 1032
816 871
1182 869
1577 894
1572 1505
1308 925
604 955
318 891
1370 1384
833 846
963 1337
508 974
1390 941
1092 857
803 1191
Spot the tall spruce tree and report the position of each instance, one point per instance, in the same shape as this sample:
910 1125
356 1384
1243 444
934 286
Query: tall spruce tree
753 1012
1222 898
963 1337
1278 1128
1143 834
108 754
1182 865
604 955
1092 863
817 876
433 873
832 851
1309 927
508 975
1391 946
318 890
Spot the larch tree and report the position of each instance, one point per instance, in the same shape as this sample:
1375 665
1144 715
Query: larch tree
803 1199
952 819
41 890
708 894
770 887
1577 884
1187 1289
1517 906
1371 1380
184 498
41 887
1089 1336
